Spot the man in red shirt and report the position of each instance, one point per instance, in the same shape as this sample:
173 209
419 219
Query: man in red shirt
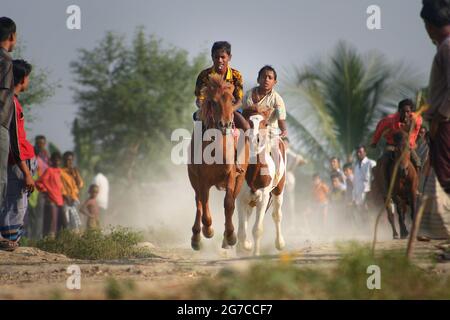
403 119
22 164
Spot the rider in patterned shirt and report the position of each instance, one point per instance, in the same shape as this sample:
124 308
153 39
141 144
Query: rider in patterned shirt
221 55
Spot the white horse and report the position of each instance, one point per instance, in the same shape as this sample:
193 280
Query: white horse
264 180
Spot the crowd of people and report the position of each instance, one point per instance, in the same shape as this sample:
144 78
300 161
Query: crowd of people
39 192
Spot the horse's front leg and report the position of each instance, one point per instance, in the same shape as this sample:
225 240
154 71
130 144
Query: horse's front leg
277 216
401 218
196 238
244 211
229 235
391 219
258 228
207 229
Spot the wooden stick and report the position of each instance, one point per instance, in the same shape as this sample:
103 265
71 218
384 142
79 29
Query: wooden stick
415 227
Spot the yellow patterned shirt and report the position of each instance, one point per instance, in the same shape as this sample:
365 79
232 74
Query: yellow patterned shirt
233 76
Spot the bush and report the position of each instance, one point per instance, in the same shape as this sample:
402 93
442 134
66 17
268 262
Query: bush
117 243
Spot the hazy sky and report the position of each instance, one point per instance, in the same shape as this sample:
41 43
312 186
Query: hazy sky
282 33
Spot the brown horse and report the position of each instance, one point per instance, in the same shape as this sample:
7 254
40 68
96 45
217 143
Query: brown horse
404 192
216 113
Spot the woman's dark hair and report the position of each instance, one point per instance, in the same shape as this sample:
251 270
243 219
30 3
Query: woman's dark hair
221 45
55 156
7 28
67 154
436 12
21 69
406 102
267 68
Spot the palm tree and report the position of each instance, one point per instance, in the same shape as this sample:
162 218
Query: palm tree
336 102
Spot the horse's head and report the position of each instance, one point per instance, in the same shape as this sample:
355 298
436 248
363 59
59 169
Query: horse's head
258 118
402 151
218 105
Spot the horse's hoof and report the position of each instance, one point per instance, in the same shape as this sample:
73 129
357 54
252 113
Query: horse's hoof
404 235
195 242
231 239
395 236
208 232
243 248
195 245
225 244
256 253
280 244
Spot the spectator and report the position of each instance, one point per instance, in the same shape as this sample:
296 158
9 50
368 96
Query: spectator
72 184
362 180
103 191
91 209
50 183
22 164
7 44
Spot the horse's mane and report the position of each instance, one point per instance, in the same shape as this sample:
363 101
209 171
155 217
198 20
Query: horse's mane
215 85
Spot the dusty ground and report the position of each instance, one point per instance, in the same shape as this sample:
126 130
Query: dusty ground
29 273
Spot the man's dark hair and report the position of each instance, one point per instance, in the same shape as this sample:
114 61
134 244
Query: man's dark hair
55 156
267 68
221 45
348 165
436 12
40 137
7 28
67 154
406 102
361 146
21 69
315 175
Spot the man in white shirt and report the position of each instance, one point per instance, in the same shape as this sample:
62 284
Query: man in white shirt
103 186
362 178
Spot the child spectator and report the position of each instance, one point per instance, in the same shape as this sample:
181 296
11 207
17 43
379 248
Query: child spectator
335 166
72 183
50 183
320 191
91 210
348 173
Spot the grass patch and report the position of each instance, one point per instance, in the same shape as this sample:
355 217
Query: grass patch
116 289
115 243
400 279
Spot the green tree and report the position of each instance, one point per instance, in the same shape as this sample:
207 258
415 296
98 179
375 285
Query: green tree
40 87
130 100
337 101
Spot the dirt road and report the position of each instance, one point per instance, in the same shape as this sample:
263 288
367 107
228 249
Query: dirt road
30 273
